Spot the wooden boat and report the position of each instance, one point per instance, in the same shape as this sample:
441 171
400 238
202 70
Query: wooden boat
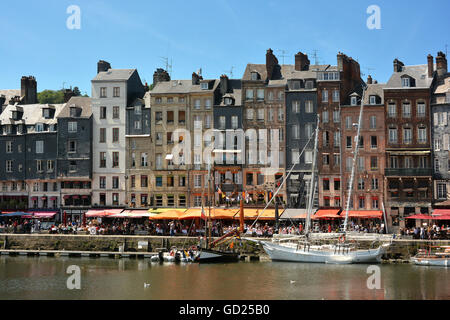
440 257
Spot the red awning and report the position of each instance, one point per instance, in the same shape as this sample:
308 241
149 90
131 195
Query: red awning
43 198
327 214
420 217
34 198
44 215
75 197
363 214
66 197
441 212
85 197
53 198
102 213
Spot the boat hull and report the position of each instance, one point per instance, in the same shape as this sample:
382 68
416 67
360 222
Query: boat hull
278 252
437 262
211 256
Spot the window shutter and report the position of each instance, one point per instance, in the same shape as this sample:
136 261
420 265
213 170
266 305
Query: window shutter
445 118
436 121
446 146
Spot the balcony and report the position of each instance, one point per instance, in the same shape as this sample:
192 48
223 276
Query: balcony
408 172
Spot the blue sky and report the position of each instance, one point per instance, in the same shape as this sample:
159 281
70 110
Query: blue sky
214 35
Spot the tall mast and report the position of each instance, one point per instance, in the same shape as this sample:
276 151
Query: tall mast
313 179
355 157
209 202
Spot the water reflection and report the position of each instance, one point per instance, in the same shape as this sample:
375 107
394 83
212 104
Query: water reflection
45 278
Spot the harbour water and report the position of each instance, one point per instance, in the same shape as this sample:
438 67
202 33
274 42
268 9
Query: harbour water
103 278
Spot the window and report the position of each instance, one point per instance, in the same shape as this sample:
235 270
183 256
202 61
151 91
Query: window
360 184
393 135
182 181
309 84
9 146
325 118
159 161
326 184
222 122
349 142
137 110
260 94
261 114
326 138
442 191
324 96
204 85
72 126
102 112
73 112
348 122
39 166
326 159
144 162
308 130
115 182
39 128
393 162
39 146
103 92
144 181
337 159
349 164
115 159
308 106
50 165
295 131
181 117
373 142
116 92
374 184
234 122
102 159
405 82
436 165
254 76
437 144
249 114
8 165
208 104
421 109
296 106
158 117
197 181
336 116
137 125
335 95
102 135
115 199
372 100
353 101
158 100
280 114
406 110
337 139
249 94
197 104
392 110
408 163
308 157
115 112
361 164
374 163
159 181
115 133
407 135
71 146
373 122
422 134
295 156
362 202
133 181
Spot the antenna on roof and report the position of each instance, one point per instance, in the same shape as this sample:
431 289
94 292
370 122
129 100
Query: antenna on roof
230 72
315 57
168 66
283 54
368 71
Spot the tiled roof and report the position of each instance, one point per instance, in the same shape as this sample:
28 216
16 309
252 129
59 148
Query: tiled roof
84 103
114 74
32 114
374 89
418 73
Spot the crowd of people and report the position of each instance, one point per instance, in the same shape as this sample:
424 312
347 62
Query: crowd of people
219 228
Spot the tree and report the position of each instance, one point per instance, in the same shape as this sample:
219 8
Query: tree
76 92
51 96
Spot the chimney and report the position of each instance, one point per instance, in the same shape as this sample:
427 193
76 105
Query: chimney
2 100
398 65
441 64
160 75
430 65
196 78
301 62
28 90
103 66
271 63
68 93
369 79
223 84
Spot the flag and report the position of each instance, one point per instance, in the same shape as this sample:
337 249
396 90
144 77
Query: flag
203 214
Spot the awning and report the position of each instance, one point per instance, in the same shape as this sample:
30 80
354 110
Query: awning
44 215
252 214
216 213
326 214
295 214
34 198
168 215
16 214
441 212
420 217
169 157
161 210
43 198
294 176
400 153
134 214
363 214
53 198
102 213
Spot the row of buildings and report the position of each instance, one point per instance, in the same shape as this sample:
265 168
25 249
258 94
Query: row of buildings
129 146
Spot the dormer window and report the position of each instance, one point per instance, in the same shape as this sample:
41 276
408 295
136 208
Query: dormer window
137 110
309 84
406 83
52 127
46 113
353 101
228 101
73 112
39 127
296 85
254 75
372 99
8 129
204 85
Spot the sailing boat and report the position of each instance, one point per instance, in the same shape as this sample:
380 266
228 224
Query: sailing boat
207 252
302 249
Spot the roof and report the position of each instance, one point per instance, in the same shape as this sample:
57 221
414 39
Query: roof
443 86
32 114
287 71
84 103
183 86
419 73
10 93
374 89
114 75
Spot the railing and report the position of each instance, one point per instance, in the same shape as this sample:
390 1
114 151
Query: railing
415 172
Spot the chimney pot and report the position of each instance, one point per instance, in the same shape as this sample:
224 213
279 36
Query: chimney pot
369 79
441 64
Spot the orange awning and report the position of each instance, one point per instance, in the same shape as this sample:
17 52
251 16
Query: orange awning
168 215
216 213
102 213
252 214
326 214
364 214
